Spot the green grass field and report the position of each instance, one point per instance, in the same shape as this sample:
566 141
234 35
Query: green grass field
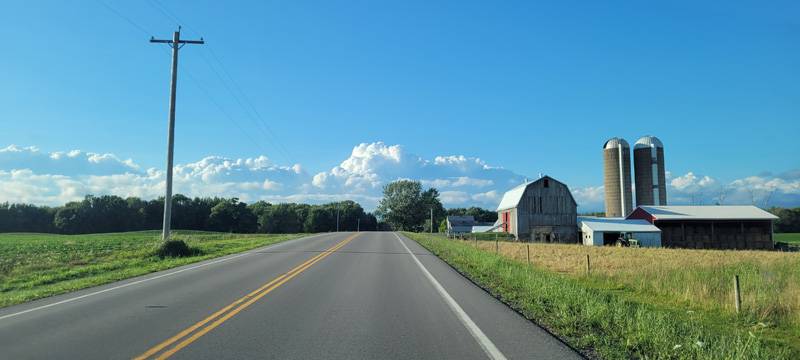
33 266
643 303
791 238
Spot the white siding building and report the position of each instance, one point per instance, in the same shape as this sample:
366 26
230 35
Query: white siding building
598 231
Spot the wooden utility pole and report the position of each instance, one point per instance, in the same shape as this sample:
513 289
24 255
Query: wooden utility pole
176 44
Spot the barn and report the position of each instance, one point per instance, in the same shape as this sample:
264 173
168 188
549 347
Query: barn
542 211
710 226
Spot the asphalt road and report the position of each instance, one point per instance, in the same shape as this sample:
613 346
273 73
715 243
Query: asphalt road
330 296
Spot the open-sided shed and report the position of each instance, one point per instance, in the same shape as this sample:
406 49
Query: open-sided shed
710 226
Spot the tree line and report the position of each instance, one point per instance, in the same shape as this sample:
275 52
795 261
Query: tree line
109 213
405 206
788 220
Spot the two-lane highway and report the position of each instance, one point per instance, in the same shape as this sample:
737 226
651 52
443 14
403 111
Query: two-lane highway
332 296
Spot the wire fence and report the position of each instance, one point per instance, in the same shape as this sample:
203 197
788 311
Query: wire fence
762 285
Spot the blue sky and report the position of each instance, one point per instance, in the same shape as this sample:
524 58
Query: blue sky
531 87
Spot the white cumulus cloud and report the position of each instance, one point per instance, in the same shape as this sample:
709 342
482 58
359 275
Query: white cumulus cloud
30 175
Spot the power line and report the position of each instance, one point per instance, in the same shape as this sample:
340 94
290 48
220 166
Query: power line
250 104
261 125
234 89
122 16
241 100
222 110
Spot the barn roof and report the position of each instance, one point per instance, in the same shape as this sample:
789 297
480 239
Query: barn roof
512 197
616 224
708 212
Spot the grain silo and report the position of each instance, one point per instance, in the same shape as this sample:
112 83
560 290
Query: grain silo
649 174
617 174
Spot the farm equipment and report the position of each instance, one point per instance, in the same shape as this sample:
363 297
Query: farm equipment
627 240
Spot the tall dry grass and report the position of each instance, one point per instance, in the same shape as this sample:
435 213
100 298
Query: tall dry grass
770 281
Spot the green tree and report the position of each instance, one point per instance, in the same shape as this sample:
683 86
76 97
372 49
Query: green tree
281 219
480 214
232 216
405 206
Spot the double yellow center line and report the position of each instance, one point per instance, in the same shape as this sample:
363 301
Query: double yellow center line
194 332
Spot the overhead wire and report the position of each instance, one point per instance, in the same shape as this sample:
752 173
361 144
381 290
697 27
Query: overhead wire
122 16
189 73
233 89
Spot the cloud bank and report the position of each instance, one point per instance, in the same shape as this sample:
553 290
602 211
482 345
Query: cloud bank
31 176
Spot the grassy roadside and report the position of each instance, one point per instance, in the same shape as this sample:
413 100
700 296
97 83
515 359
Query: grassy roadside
34 266
614 322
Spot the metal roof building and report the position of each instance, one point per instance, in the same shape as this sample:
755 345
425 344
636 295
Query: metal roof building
711 226
457 225
600 231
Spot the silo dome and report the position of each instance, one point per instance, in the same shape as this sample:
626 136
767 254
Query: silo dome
615 143
648 142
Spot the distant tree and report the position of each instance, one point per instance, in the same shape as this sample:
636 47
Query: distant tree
788 219
405 206
230 215
480 214
25 217
259 207
281 219
594 213
110 213
319 219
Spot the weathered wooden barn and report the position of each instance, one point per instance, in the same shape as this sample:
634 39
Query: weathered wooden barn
711 226
543 211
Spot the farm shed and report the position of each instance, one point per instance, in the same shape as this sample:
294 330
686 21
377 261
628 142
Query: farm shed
711 226
543 211
458 225
598 231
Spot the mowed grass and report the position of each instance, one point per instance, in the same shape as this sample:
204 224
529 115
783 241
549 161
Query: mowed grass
791 238
643 303
33 266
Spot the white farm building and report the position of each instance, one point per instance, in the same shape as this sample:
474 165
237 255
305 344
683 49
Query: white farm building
600 231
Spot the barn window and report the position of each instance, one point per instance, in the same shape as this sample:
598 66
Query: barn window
546 182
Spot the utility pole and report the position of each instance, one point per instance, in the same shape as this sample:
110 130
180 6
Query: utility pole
337 217
358 227
431 220
176 44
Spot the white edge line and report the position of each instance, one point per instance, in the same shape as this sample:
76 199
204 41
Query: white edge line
143 280
486 344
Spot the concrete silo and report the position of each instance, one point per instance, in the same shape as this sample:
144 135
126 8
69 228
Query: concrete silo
649 173
617 175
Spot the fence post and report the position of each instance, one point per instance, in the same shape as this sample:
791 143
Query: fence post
528 247
496 245
588 265
737 297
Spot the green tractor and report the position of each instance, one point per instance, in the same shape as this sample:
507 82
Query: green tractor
627 240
